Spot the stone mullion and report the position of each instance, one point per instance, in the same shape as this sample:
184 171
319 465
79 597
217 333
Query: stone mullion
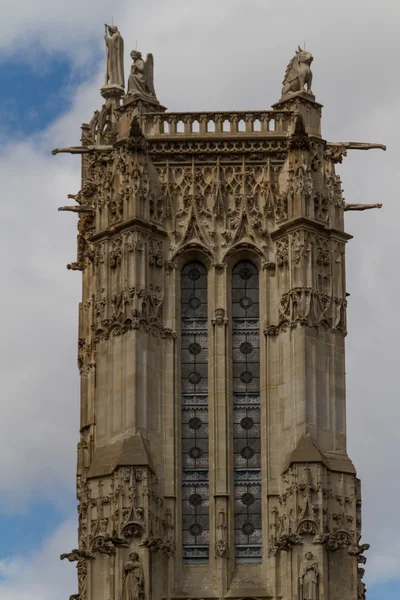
264 297
176 573
229 395
219 383
220 440
213 442
171 388
272 285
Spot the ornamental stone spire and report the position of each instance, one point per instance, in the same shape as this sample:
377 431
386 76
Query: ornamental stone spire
212 460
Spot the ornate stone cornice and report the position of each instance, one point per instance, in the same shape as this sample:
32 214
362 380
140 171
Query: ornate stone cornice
306 306
160 149
134 224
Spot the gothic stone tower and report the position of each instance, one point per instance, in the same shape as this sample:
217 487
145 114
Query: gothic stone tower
212 461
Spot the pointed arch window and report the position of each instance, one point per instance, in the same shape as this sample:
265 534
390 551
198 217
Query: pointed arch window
246 412
194 386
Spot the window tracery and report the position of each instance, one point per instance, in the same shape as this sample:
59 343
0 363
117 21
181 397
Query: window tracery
194 385
246 412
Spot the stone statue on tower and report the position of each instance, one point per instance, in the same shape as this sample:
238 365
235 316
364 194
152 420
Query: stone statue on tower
115 57
141 78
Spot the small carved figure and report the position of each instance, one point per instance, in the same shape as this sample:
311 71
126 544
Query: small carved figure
298 73
76 554
358 551
337 150
115 57
116 541
86 193
308 578
155 543
132 580
103 545
221 546
141 78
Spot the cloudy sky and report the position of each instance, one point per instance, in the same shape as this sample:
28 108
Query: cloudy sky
209 54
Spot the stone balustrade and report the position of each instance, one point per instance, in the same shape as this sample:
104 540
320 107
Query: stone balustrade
217 123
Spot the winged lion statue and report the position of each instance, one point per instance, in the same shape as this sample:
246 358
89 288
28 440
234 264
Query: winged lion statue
298 73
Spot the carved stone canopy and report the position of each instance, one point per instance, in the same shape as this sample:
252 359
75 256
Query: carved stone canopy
307 451
106 460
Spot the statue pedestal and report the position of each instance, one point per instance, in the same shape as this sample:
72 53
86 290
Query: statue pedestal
143 104
137 106
112 94
304 103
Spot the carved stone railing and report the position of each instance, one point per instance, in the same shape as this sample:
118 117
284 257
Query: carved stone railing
218 123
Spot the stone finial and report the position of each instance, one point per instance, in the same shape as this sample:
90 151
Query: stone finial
298 74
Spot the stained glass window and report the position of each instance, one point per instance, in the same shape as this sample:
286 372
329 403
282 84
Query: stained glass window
246 412
194 385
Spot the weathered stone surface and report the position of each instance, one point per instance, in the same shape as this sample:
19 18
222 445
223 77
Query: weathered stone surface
161 190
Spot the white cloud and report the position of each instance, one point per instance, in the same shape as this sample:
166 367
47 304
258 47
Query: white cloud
45 27
41 575
39 382
207 55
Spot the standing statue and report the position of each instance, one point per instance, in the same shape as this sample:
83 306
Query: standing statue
115 57
132 580
308 578
298 73
141 77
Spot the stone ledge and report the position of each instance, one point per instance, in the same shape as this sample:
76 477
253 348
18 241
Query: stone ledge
133 451
307 451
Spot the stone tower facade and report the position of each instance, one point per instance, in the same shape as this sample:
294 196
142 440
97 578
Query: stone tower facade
212 461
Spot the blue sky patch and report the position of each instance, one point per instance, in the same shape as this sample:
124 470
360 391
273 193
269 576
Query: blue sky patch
384 591
20 533
31 98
